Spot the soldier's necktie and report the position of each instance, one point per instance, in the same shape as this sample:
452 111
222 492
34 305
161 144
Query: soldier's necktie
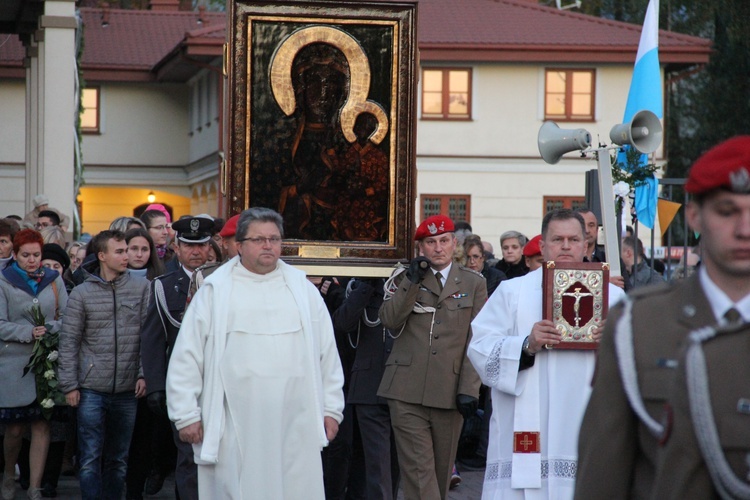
439 278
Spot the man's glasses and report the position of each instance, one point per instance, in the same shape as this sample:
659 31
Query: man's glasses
260 240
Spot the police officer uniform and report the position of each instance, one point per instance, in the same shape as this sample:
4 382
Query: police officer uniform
428 368
166 308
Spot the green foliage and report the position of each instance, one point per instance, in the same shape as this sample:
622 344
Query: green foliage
632 172
43 364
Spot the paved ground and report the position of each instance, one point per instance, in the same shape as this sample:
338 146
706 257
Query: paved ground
469 489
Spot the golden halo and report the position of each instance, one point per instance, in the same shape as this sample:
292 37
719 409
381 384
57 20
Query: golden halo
359 85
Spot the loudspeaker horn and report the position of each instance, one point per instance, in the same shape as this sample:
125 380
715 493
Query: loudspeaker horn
554 141
644 132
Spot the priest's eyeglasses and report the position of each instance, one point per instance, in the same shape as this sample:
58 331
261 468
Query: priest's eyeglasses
260 240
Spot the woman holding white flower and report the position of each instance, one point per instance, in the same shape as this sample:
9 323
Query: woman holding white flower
24 286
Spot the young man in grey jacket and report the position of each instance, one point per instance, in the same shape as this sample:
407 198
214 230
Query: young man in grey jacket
99 363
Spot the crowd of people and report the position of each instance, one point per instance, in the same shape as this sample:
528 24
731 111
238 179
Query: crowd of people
190 347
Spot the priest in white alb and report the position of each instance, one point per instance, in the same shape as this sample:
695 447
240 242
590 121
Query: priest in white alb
255 381
538 394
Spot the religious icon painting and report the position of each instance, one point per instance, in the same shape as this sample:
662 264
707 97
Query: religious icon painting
575 299
321 99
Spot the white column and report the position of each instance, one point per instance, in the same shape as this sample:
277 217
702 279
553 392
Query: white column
50 123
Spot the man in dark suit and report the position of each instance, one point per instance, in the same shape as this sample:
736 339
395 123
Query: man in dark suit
166 307
428 380
357 318
639 353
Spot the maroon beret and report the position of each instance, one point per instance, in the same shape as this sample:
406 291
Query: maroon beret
434 226
230 228
532 247
726 165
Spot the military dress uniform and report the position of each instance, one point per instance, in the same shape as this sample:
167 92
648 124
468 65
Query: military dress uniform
358 318
707 449
166 308
427 369
638 357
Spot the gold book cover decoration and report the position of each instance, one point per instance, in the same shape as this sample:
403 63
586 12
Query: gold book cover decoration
575 299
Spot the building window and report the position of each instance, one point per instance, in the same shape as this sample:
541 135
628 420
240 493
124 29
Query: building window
455 206
569 94
557 202
90 114
446 93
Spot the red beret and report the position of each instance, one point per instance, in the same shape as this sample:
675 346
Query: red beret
532 247
230 228
434 226
724 166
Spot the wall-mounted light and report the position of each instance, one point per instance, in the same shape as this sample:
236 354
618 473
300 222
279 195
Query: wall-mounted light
151 197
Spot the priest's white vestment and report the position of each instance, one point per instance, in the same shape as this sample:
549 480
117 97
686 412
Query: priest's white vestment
256 363
548 398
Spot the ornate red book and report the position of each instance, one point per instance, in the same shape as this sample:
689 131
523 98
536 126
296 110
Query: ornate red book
575 298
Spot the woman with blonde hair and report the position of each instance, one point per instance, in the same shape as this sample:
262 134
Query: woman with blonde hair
54 234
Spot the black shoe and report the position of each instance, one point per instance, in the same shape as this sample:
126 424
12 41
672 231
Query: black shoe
154 483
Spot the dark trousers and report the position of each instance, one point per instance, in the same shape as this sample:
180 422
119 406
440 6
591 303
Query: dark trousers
186 472
343 466
152 449
379 448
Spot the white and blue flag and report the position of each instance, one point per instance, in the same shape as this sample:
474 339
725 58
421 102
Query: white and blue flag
646 93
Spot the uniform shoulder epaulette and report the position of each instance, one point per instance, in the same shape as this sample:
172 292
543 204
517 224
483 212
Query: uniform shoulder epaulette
208 265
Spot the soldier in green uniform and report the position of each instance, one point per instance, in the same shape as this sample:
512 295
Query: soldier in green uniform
638 359
707 449
428 381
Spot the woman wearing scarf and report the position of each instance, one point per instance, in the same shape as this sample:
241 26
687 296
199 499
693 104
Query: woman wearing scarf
23 284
